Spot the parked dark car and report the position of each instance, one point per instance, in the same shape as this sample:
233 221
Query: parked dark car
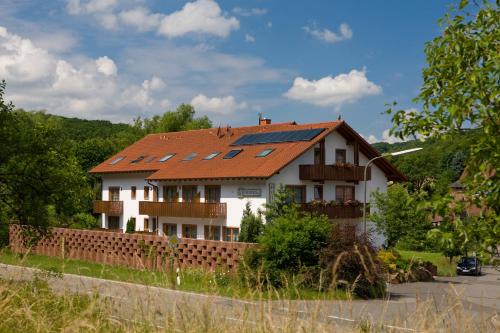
469 265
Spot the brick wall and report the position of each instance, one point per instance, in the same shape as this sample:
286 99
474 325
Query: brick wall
132 250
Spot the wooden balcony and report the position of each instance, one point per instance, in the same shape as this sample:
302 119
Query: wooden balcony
108 207
334 211
183 209
321 172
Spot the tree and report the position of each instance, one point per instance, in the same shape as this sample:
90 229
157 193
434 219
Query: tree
449 238
38 170
399 216
182 119
130 226
460 88
282 202
251 225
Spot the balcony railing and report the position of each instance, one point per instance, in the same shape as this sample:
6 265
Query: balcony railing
183 209
334 211
320 172
108 207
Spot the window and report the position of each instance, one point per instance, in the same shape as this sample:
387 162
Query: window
146 224
133 191
231 234
138 159
166 158
155 224
318 192
116 160
113 222
169 229
190 157
344 193
155 193
265 152
212 232
190 193
232 153
170 194
146 192
319 153
114 194
298 193
150 159
212 155
189 231
212 193
340 155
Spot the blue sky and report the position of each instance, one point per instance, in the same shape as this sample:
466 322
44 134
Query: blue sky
306 61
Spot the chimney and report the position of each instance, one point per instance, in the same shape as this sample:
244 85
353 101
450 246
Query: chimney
264 121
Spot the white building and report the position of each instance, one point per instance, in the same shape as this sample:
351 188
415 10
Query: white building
196 183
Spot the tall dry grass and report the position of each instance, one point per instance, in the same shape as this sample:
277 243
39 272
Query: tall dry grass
34 307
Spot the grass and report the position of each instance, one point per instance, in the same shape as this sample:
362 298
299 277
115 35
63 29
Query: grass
445 268
221 282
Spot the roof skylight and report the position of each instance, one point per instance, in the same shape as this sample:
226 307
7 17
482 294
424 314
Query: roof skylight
166 158
116 160
232 153
138 159
265 152
212 155
150 159
190 157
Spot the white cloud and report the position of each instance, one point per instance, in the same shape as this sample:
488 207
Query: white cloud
249 38
155 84
386 137
329 36
249 11
21 60
141 19
201 17
217 105
106 66
108 21
333 91
76 7
54 41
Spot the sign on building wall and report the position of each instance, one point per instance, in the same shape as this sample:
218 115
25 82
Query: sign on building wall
246 192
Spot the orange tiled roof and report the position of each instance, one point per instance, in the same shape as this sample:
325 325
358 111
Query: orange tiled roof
206 141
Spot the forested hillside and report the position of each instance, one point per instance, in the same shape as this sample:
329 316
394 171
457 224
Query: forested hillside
439 163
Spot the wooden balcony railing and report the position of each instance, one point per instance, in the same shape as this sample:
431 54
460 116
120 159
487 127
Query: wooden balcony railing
320 172
108 207
334 211
183 209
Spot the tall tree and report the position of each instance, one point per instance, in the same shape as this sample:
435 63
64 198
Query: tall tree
460 89
39 173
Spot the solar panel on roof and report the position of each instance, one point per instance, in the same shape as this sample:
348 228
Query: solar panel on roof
277 137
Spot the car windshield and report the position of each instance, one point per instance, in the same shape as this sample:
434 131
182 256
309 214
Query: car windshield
468 261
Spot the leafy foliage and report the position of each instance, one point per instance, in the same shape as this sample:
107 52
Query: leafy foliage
251 225
38 170
460 89
84 221
399 217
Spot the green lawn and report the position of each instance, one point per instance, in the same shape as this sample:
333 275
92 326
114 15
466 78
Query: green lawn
445 268
195 280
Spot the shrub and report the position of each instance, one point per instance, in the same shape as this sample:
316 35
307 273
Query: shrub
251 226
4 234
130 229
84 221
350 261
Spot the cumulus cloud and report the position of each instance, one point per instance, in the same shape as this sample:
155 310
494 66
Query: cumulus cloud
141 19
249 38
249 11
329 36
76 7
386 137
89 88
200 17
333 91
106 66
217 105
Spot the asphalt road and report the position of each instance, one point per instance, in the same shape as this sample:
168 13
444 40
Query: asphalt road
409 307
